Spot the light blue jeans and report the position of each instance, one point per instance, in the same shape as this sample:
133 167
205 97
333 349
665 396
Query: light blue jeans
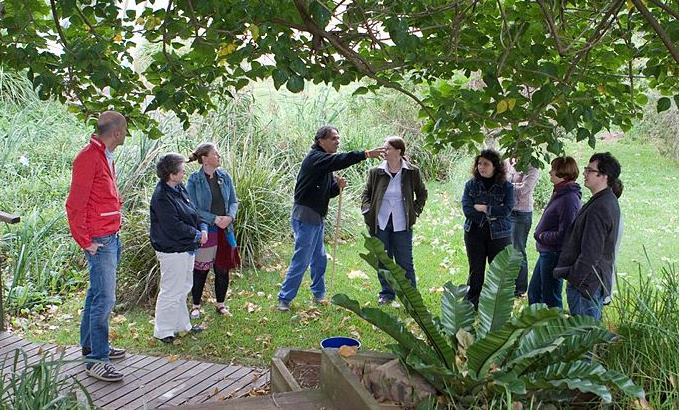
101 296
309 252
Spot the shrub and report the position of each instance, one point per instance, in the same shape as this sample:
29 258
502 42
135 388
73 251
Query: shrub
538 354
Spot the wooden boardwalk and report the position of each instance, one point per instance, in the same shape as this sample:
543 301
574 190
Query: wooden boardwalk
150 382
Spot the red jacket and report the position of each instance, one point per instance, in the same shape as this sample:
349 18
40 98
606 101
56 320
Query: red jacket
93 205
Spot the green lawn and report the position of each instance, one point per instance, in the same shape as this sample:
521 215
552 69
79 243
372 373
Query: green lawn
256 329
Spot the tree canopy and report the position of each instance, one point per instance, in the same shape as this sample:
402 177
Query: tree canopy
516 69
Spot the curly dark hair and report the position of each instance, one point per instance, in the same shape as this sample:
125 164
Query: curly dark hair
499 170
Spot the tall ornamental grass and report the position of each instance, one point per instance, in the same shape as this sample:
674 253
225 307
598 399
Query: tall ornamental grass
645 316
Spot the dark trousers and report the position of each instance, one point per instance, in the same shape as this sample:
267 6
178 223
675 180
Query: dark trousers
221 284
399 247
521 222
480 247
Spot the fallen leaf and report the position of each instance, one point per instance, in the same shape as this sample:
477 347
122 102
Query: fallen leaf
172 358
357 274
252 308
436 290
347 351
118 319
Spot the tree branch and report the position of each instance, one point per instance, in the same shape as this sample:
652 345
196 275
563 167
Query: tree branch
656 26
352 56
598 34
57 26
667 8
552 28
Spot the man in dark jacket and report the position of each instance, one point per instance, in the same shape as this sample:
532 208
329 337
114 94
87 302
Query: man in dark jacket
316 184
586 259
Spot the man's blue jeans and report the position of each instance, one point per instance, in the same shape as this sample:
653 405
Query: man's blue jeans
521 222
578 304
309 251
544 288
399 247
101 296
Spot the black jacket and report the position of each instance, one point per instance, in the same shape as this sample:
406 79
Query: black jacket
315 182
587 255
174 220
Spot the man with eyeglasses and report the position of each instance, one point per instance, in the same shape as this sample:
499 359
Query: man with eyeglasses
588 253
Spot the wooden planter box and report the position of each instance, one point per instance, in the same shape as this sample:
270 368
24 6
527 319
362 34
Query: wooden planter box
340 385
337 383
283 365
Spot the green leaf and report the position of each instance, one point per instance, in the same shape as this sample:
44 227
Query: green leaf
295 83
360 91
579 333
583 134
279 77
497 345
411 300
497 295
664 104
456 312
676 100
580 375
390 325
320 13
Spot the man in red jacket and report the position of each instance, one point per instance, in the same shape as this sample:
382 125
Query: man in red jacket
93 209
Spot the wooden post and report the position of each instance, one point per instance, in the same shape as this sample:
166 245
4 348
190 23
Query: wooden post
10 219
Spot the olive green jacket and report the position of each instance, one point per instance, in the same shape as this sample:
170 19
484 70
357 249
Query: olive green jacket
412 188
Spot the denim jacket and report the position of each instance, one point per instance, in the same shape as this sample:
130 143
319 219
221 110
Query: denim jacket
500 201
199 192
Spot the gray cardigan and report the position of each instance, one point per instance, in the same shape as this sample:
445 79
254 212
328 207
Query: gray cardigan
588 252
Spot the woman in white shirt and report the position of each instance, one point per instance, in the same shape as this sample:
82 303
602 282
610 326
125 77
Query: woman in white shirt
393 198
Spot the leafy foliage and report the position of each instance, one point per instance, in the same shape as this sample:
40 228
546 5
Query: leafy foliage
538 353
487 67
40 385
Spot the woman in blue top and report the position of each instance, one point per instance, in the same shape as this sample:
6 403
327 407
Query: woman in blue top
211 190
487 204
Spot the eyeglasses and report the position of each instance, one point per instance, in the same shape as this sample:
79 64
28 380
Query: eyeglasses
589 170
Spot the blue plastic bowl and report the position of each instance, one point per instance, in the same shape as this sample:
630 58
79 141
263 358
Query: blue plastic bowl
336 342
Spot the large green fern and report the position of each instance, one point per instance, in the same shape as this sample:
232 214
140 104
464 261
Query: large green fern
538 352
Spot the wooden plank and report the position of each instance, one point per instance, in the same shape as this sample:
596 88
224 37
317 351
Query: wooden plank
8 350
213 389
122 366
34 353
132 375
148 383
236 388
208 378
6 335
176 386
9 218
298 400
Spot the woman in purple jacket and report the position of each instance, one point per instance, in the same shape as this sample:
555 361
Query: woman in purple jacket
549 234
